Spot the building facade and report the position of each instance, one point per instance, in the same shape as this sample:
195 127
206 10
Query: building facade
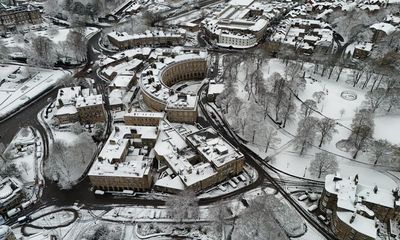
125 162
10 17
156 38
75 104
143 118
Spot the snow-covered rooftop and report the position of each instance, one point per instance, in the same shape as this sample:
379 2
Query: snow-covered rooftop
385 27
119 158
213 147
67 96
91 100
193 155
361 224
123 36
151 80
353 192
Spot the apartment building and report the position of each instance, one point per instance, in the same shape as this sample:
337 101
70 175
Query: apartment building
358 211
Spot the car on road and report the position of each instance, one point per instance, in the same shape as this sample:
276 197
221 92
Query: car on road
24 219
99 192
89 70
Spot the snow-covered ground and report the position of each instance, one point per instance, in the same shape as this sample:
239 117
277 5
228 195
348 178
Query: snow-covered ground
57 35
333 106
24 151
23 83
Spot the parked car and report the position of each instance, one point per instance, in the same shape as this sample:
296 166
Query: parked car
312 208
302 197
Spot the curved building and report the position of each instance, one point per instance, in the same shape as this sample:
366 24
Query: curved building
156 82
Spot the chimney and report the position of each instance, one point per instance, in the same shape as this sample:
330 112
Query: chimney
116 166
375 189
60 102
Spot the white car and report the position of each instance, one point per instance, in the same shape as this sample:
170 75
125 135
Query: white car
303 197
312 208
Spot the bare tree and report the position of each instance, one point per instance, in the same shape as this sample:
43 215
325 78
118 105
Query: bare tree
183 205
293 74
258 221
380 148
375 98
25 166
279 92
67 162
308 107
306 132
319 96
326 128
288 110
3 52
76 40
237 105
242 123
362 129
2 148
221 213
76 128
323 164
42 52
392 100
342 112
271 138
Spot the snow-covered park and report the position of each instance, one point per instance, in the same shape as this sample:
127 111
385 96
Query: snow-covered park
337 99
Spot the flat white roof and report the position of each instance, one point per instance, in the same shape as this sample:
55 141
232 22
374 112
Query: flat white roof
361 224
